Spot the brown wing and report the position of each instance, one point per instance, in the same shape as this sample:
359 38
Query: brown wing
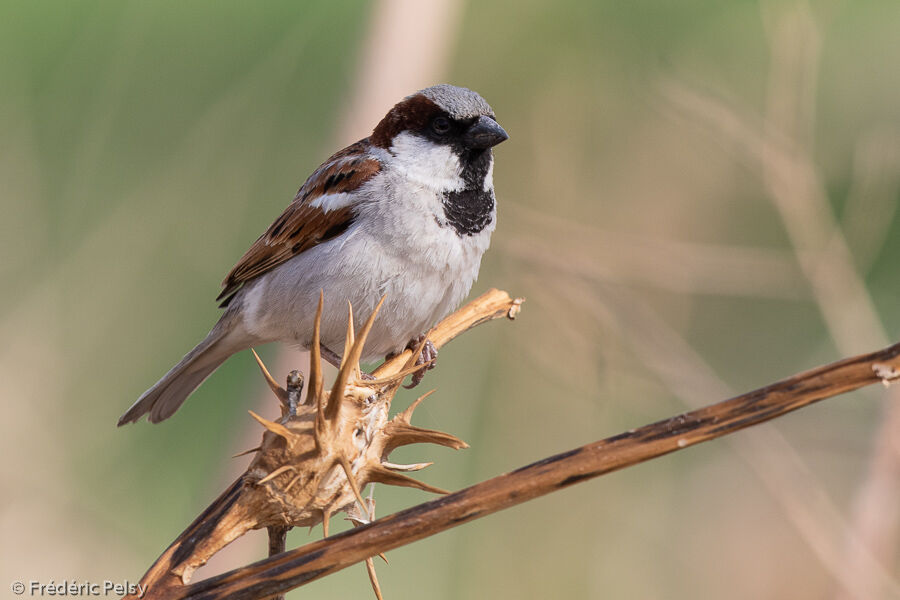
302 225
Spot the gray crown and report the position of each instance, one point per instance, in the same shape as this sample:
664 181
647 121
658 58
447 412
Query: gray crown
459 102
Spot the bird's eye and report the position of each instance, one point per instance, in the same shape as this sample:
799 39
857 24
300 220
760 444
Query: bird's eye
441 125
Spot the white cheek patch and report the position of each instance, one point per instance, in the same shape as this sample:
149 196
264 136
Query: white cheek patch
431 165
489 177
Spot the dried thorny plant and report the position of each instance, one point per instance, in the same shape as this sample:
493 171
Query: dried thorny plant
265 496
315 460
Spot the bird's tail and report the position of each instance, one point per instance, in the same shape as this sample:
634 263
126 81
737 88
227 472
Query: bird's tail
162 400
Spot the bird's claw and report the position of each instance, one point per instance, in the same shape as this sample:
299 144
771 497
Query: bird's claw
426 358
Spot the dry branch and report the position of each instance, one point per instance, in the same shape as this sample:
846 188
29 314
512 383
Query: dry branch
315 460
318 559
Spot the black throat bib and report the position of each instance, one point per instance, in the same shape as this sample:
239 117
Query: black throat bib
471 209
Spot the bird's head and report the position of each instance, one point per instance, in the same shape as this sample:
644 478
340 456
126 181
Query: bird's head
440 134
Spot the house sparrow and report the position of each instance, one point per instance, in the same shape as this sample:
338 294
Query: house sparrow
405 213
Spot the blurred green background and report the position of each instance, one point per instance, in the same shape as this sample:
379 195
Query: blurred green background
697 198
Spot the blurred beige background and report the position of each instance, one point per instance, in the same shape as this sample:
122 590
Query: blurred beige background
697 198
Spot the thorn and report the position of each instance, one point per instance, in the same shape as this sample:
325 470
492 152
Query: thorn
370 502
399 433
296 478
357 521
426 350
406 415
279 391
351 336
417 353
246 452
373 578
275 474
276 428
345 464
354 517
396 377
352 362
315 372
408 468
383 475
319 425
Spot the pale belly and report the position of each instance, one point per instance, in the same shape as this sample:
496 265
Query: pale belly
421 284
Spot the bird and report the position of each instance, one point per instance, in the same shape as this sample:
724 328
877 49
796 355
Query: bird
405 214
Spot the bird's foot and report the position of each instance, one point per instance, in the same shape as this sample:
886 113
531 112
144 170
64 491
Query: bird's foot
426 358
294 389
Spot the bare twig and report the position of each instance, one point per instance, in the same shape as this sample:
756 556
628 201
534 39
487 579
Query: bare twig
493 304
277 544
289 397
313 561
661 350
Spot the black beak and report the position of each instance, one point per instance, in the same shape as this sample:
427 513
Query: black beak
484 133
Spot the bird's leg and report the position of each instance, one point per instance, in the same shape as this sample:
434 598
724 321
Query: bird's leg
334 359
426 358
294 389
